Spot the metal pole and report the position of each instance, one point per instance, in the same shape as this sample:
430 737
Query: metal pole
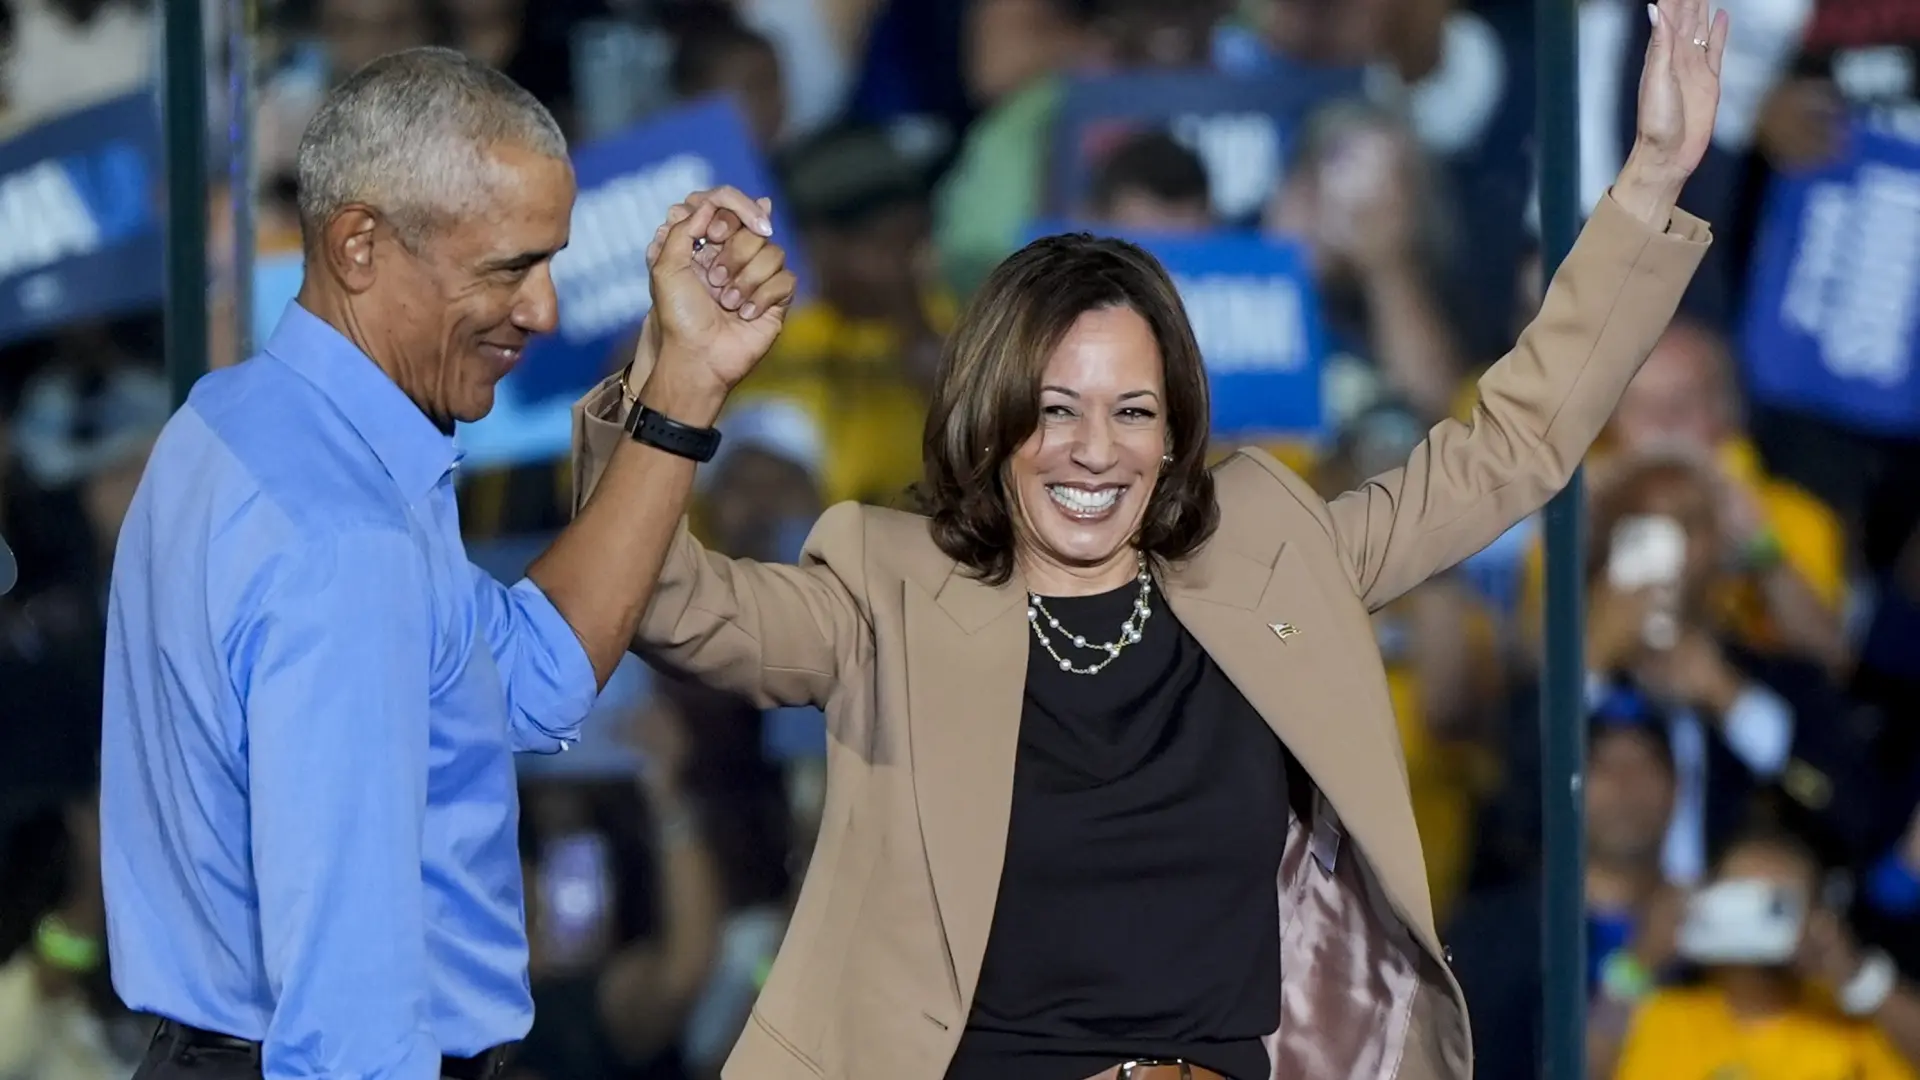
243 167
184 115
1563 741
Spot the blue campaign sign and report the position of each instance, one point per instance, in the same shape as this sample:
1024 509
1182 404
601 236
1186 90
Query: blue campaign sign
276 281
1256 316
1241 126
80 228
1831 317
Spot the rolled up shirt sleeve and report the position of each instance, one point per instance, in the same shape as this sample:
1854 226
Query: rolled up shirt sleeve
334 674
548 676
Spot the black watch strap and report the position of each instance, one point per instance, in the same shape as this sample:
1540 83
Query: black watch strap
665 433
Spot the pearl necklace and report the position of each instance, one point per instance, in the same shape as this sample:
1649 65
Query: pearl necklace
1130 631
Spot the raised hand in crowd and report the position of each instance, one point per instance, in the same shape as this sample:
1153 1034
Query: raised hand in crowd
1616 627
1806 625
1654 948
1738 512
1369 216
1828 954
1800 123
1357 198
1831 958
1691 672
1694 673
1655 940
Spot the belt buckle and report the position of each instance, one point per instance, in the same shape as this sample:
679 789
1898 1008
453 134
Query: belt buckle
1127 1067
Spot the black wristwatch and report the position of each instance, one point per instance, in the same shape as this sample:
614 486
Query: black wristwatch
665 433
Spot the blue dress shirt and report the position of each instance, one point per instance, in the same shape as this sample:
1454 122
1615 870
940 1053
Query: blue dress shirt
308 811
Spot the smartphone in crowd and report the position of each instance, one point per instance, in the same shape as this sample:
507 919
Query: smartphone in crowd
1742 921
1650 552
575 880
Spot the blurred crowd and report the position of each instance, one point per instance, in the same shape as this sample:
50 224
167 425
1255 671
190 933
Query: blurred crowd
1753 571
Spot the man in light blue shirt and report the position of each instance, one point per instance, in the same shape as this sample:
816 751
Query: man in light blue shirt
308 802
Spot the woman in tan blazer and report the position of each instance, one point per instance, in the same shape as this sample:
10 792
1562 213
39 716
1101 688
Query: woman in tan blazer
1114 783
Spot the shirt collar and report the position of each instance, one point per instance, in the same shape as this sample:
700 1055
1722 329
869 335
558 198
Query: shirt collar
417 454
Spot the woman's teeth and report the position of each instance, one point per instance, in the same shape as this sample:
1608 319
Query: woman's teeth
1082 501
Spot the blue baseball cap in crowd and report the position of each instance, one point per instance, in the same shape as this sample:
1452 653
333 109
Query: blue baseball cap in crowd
1623 706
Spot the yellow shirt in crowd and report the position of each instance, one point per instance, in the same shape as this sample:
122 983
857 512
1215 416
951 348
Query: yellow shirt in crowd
1691 1034
849 376
1811 539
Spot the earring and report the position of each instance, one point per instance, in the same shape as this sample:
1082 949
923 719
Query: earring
1166 459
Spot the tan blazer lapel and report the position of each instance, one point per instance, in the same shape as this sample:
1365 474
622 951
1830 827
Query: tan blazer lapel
1273 633
964 720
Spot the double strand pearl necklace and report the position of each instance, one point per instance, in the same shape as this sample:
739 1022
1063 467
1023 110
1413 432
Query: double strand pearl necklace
1130 630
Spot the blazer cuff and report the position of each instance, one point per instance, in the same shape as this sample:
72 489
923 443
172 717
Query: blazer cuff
605 402
1672 254
598 419
1680 224
1687 227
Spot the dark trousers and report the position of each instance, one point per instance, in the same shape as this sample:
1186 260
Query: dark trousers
168 1057
177 1052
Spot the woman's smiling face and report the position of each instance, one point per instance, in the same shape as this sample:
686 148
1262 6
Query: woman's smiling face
1082 480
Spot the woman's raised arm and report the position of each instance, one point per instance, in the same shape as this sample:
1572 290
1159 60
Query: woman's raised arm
1543 404
776 634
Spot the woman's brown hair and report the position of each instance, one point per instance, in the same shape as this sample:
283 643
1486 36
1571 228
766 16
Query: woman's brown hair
987 399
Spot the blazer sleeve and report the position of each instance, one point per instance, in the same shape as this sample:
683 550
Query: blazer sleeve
775 634
1539 410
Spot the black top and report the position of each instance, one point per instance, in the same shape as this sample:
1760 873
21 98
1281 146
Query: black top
1137 914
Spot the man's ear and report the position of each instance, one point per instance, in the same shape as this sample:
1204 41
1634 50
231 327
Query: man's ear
347 247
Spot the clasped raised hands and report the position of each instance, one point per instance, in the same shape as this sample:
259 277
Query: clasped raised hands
721 289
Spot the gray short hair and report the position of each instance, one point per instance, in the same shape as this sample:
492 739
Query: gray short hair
405 134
